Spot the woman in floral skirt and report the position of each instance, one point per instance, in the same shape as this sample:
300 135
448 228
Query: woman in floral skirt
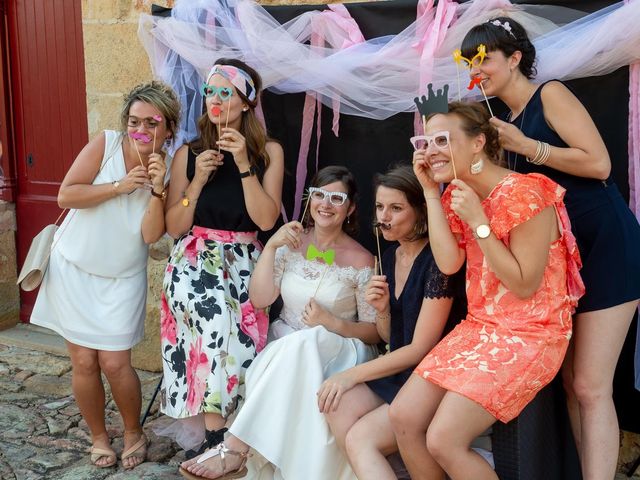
225 186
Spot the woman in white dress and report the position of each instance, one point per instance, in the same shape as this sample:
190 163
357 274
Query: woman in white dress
325 327
94 291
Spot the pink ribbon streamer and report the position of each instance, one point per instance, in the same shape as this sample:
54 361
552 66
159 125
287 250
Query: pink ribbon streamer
433 29
634 138
336 19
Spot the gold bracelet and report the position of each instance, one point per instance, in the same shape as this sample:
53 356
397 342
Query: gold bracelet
543 150
383 316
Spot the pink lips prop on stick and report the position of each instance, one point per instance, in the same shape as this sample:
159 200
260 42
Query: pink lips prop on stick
141 137
144 138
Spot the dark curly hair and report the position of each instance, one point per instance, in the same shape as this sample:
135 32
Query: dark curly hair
495 37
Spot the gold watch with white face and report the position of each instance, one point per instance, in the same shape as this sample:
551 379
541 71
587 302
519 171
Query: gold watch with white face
482 231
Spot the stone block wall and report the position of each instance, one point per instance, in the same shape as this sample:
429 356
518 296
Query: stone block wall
114 59
9 294
115 62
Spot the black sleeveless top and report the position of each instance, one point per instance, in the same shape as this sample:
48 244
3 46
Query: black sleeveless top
583 194
221 203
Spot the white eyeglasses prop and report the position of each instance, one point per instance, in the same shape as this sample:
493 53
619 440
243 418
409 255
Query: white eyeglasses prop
440 140
335 198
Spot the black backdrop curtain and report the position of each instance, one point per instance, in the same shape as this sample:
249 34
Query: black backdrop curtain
369 146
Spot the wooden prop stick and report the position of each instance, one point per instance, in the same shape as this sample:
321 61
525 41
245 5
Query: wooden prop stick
485 98
320 282
453 162
379 258
306 205
218 127
157 118
135 145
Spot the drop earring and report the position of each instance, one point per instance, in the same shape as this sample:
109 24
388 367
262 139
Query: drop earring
476 167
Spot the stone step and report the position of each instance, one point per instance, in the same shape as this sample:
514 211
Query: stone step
33 337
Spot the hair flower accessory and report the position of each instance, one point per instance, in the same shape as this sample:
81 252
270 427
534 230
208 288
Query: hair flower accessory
504 25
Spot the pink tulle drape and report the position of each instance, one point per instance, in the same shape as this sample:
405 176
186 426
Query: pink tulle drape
323 29
324 54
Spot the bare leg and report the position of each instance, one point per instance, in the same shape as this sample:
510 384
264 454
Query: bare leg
125 388
572 402
89 394
369 442
456 424
354 404
213 421
598 340
410 414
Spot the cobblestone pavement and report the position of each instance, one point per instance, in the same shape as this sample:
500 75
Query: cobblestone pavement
43 436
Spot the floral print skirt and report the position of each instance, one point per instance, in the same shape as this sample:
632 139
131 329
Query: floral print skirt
210 331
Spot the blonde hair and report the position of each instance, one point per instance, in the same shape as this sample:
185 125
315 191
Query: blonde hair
155 93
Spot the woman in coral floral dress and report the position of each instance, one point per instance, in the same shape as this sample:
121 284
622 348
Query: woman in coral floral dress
522 287
225 185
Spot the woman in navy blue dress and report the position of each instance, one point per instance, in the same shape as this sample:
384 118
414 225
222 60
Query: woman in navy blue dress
414 301
549 131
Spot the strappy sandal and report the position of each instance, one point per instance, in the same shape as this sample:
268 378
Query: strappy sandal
137 450
222 450
211 439
97 453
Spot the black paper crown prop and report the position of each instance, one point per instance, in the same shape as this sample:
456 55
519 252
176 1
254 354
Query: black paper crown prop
433 102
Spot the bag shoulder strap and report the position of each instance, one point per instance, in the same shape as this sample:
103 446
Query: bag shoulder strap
113 142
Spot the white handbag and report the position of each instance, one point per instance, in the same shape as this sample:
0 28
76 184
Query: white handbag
37 259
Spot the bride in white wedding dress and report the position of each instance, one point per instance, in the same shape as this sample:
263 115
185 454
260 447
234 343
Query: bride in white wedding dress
325 327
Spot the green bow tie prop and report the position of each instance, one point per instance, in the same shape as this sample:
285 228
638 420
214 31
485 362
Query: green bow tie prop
327 256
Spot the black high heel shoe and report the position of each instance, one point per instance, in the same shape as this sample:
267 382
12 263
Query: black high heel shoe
211 439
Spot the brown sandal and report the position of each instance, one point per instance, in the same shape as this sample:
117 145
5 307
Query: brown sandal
222 450
137 450
97 453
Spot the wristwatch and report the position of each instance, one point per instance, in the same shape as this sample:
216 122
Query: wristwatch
482 231
115 184
248 173
162 195
185 200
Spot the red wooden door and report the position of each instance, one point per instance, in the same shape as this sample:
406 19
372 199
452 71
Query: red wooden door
50 113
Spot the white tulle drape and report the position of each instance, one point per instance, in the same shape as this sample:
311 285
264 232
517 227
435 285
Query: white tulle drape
379 77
